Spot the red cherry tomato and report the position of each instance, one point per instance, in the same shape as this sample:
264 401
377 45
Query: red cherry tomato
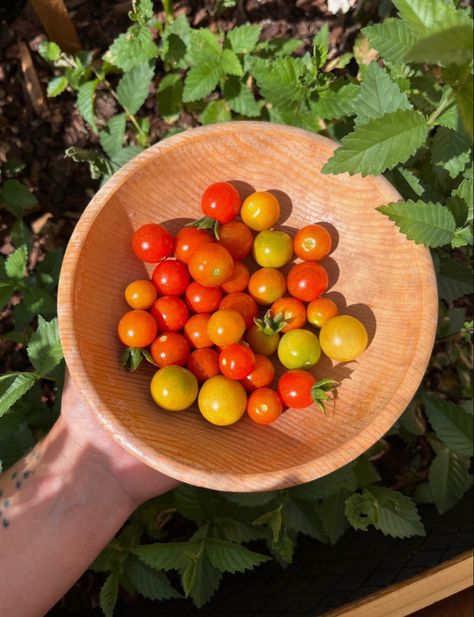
211 265
312 243
204 363
170 277
239 279
236 361
267 285
152 243
237 238
294 388
195 330
170 312
262 375
140 294
264 406
307 281
187 241
170 348
137 329
243 304
203 299
221 201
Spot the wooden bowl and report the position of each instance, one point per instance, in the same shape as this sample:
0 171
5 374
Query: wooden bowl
376 274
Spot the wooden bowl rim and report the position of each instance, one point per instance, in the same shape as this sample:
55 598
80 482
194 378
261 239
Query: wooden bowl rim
276 479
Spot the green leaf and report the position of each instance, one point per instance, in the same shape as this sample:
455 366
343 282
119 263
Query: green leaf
200 579
450 150
454 279
39 301
12 388
56 86
321 46
327 485
109 594
422 15
49 51
428 223
240 98
175 42
85 103
235 530
44 350
360 510
230 63
278 81
215 111
274 520
465 192
449 45
165 556
333 516
451 423
111 138
392 39
16 262
448 479
422 494
243 39
17 197
283 550
395 514
303 517
124 155
148 582
365 473
204 48
380 144
170 96
6 291
134 86
465 101
195 503
98 164
200 81
250 500
378 95
133 47
144 9
229 557
337 102
413 421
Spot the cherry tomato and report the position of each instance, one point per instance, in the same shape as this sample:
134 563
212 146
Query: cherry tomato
294 388
170 348
211 265
261 343
195 330
152 243
343 338
260 210
221 201
174 388
236 361
299 349
307 281
203 299
170 312
272 249
267 285
312 243
320 311
243 304
222 401
204 363
137 329
225 327
140 294
239 279
264 406
262 374
237 238
293 312
170 277
187 241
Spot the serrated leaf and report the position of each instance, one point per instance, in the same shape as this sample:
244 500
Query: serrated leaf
250 500
236 531
448 45
195 503
302 516
274 520
109 594
39 302
170 96
422 494
360 510
229 557
422 15
454 279
12 388
148 582
451 423
465 192
111 138
134 86
365 472
44 350
204 48
6 291
465 101
392 39
327 485
165 556
428 223
200 81
85 103
16 262
450 150
336 103
333 516
413 421
448 479
278 81
378 95
16 196
56 86
215 111
243 39
124 155
49 51
395 514
133 47
230 63
175 42
240 98
200 579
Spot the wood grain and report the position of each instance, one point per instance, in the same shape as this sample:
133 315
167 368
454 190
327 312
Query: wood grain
375 273
58 25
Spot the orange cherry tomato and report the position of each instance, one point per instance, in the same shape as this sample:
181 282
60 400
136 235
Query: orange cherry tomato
267 285
140 294
170 348
211 265
312 243
264 406
187 241
203 299
225 327
137 329
243 304
195 330
237 238
307 281
293 311
170 312
239 279
260 210
262 375
204 363
320 311
236 361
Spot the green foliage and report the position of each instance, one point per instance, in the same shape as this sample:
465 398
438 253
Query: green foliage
448 479
108 594
453 424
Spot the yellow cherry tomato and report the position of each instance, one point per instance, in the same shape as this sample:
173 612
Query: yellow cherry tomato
343 338
320 311
174 388
140 294
260 210
299 349
222 401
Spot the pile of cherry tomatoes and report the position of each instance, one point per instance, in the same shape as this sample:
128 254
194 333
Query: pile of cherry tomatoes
213 328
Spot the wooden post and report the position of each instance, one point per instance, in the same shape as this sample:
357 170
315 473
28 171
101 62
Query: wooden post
55 20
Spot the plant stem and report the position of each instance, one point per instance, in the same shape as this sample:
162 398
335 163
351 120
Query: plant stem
130 116
35 374
445 102
169 13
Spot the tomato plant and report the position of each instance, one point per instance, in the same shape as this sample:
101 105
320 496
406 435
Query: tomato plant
236 361
140 294
225 327
264 406
221 201
299 349
174 388
267 285
307 281
312 243
237 238
260 210
272 249
187 241
211 265
170 312
170 348
152 243
243 304
137 329
222 401
202 299
343 338
170 277
204 363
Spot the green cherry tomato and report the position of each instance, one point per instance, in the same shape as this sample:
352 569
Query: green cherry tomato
261 343
174 388
272 249
299 349
343 338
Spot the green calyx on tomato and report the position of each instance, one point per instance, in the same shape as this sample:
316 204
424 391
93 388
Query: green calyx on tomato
132 357
271 324
320 392
208 223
